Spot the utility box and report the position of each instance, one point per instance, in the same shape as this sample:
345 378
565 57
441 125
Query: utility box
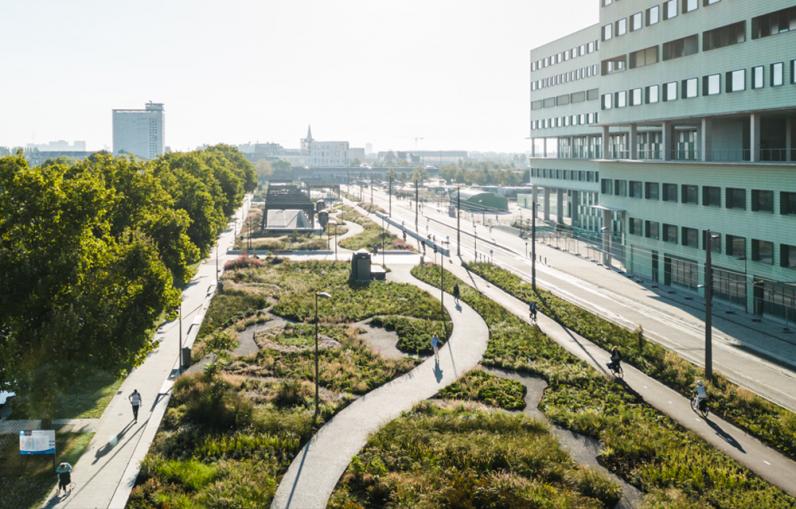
185 357
360 267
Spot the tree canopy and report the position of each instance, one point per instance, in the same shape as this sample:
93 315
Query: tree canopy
93 252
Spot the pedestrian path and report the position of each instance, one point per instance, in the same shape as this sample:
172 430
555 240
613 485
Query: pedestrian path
104 476
744 448
316 469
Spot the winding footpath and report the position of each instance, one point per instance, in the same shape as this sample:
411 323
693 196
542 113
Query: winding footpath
316 469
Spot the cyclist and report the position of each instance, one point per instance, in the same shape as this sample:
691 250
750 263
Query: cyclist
616 360
700 395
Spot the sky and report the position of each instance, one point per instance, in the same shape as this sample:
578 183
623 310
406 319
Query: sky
403 74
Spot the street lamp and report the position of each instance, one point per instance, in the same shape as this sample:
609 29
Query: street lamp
533 245
383 236
709 237
475 241
179 352
324 295
458 221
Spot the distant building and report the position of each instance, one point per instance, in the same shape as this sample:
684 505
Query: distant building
58 146
325 154
139 132
37 157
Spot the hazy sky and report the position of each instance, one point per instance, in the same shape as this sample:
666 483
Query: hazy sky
454 72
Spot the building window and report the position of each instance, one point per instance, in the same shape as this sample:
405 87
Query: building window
711 196
736 198
758 77
653 15
606 185
651 190
636 97
616 64
670 233
711 2
608 101
684 272
690 237
621 27
714 241
636 22
787 202
621 99
787 256
690 5
670 9
670 91
681 47
651 229
593 94
608 32
777 74
670 192
793 71
635 226
620 187
736 246
724 36
711 85
774 23
690 88
636 189
763 251
762 201
690 194
644 57
736 80
652 93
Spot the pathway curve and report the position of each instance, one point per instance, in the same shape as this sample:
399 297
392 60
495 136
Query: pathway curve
736 443
316 469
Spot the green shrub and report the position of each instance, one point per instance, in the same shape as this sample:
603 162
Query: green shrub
212 403
489 389
191 474
414 335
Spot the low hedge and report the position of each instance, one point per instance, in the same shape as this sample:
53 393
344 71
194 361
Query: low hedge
774 425
674 466
488 389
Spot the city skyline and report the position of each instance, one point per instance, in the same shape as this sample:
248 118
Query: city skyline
456 78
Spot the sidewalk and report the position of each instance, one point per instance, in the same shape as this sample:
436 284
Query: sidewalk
745 449
105 474
621 299
315 471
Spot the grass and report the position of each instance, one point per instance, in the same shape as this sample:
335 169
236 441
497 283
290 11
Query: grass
673 466
230 433
488 389
436 457
26 481
86 398
414 336
774 425
371 235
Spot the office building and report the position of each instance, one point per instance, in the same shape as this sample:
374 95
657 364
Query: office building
668 128
139 132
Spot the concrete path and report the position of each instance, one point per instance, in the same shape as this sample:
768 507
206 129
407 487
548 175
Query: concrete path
667 315
106 473
316 469
747 450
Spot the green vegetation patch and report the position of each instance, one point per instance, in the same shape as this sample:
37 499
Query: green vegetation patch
433 457
414 336
27 480
771 423
486 388
371 236
643 446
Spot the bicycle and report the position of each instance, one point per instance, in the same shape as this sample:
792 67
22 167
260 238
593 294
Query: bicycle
616 369
700 406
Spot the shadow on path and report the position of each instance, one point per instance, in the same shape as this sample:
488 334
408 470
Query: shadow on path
725 436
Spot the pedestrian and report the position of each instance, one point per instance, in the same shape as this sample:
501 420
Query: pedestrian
435 344
532 307
135 401
456 293
64 473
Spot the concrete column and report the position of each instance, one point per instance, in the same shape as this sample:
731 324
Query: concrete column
573 207
604 146
607 232
533 147
706 139
754 137
789 139
667 133
544 147
534 196
633 142
560 206
546 206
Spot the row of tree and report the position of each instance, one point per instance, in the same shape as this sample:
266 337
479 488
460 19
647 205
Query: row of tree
93 252
483 174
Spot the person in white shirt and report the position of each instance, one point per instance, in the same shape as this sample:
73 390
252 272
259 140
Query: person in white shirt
135 401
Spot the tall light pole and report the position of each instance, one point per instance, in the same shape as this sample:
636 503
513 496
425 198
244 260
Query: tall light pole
383 235
709 236
371 190
389 195
179 331
458 221
417 201
335 241
216 262
325 295
533 247
475 242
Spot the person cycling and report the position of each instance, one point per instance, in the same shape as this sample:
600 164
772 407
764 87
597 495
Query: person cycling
532 309
616 360
700 396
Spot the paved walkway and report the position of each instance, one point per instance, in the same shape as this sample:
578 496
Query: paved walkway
315 471
667 318
104 476
747 450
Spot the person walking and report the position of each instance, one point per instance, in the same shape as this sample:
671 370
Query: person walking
435 344
456 293
64 473
532 308
135 401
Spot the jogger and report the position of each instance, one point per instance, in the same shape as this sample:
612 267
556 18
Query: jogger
135 401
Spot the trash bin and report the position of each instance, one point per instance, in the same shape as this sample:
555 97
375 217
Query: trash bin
185 358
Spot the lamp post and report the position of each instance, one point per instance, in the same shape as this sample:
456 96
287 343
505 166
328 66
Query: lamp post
216 262
383 235
389 196
325 295
533 247
335 241
709 237
458 221
417 201
179 332
475 242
